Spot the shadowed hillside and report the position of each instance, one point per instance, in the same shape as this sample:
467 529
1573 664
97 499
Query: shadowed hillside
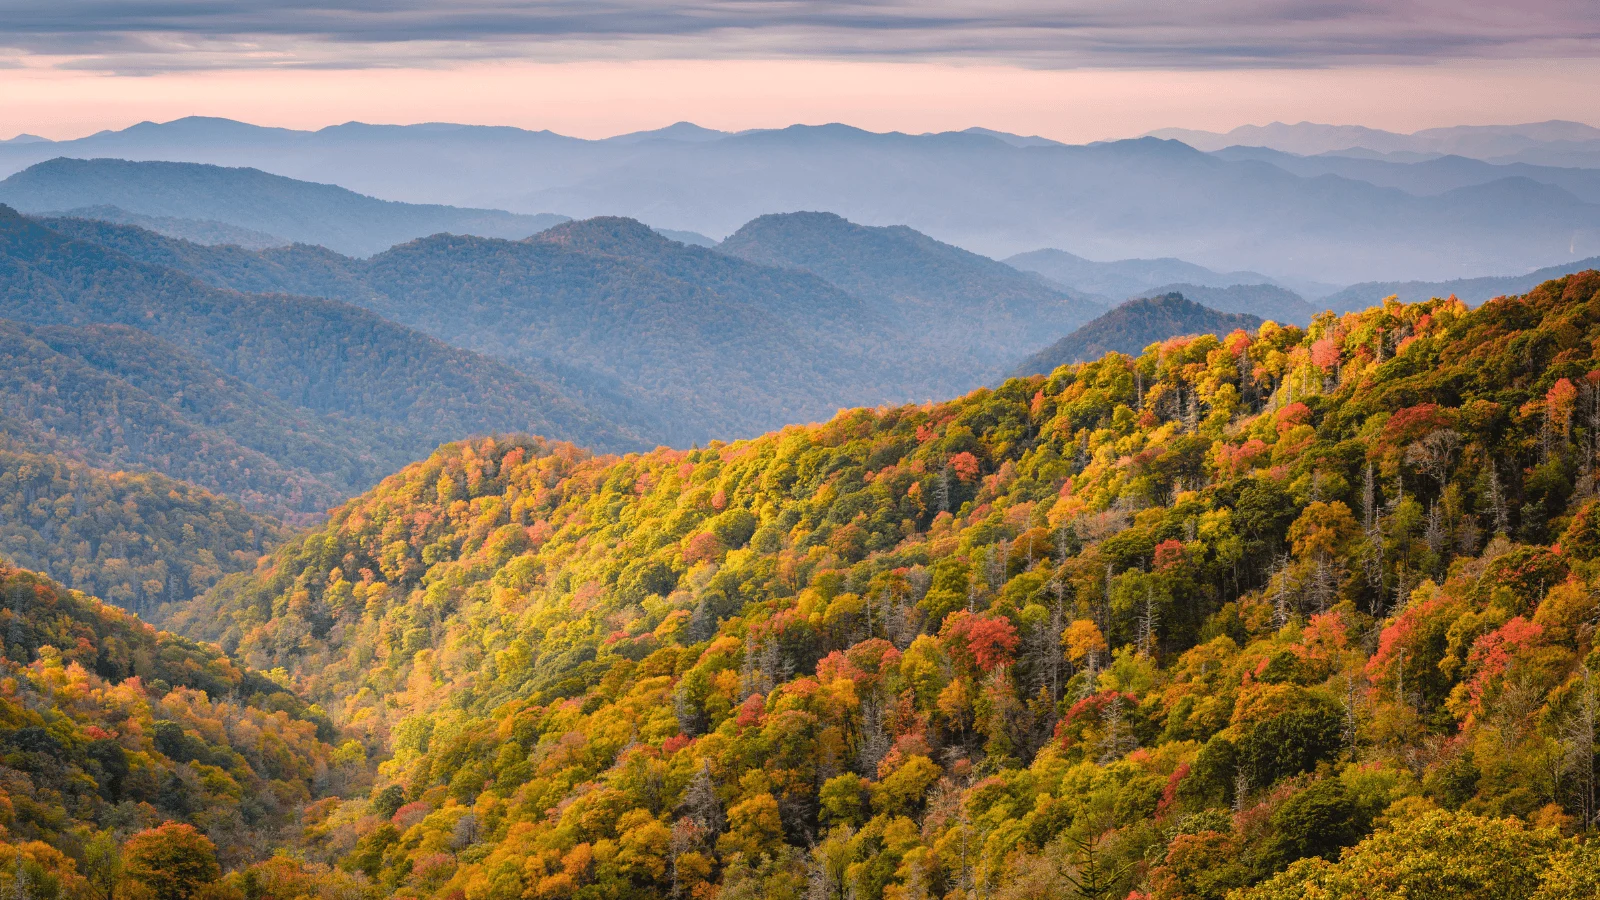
285 402
1133 326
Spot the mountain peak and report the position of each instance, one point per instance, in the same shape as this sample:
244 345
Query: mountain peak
677 131
612 235
1133 326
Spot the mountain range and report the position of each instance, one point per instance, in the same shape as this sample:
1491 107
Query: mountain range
1470 290
785 322
271 206
997 196
1553 143
288 403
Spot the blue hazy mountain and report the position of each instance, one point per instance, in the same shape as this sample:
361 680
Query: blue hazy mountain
251 199
1144 198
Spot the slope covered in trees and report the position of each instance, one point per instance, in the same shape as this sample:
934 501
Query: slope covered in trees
137 540
1133 326
649 330
109 729
1244 613
307 399
115 397
323 214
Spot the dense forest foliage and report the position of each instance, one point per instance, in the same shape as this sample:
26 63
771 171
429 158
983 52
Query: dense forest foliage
1289 613
684 341
1133 326
327 392
137 540
115 397
134 763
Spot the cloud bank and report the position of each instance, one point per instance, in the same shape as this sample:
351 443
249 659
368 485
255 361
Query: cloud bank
148 36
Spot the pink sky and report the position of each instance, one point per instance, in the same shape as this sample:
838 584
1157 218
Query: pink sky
601 98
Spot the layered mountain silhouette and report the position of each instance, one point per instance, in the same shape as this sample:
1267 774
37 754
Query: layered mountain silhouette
714 343
1131 327
992 194
978 312
1556 143
266 205
286 402
1470 290
1122 279
1262 301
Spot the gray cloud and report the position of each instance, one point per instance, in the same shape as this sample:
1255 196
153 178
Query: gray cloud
155 35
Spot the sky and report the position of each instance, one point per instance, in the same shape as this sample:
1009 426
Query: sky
1072 70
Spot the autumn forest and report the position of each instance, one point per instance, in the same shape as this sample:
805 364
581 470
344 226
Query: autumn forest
1194 605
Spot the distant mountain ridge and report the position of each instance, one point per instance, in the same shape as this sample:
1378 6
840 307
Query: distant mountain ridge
1121 279
1263 301
1536 142
1429 177
988 193
250 199
1130 328
1472 291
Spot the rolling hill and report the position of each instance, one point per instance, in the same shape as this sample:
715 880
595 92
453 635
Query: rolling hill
250 199
321 388
113 729
134 539
978 312
1291 613
1133 326
644 328
200 231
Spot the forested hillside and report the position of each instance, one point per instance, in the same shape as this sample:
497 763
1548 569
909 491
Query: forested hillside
299 401
137 540
1288 613
134 763
680 341
1133 326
